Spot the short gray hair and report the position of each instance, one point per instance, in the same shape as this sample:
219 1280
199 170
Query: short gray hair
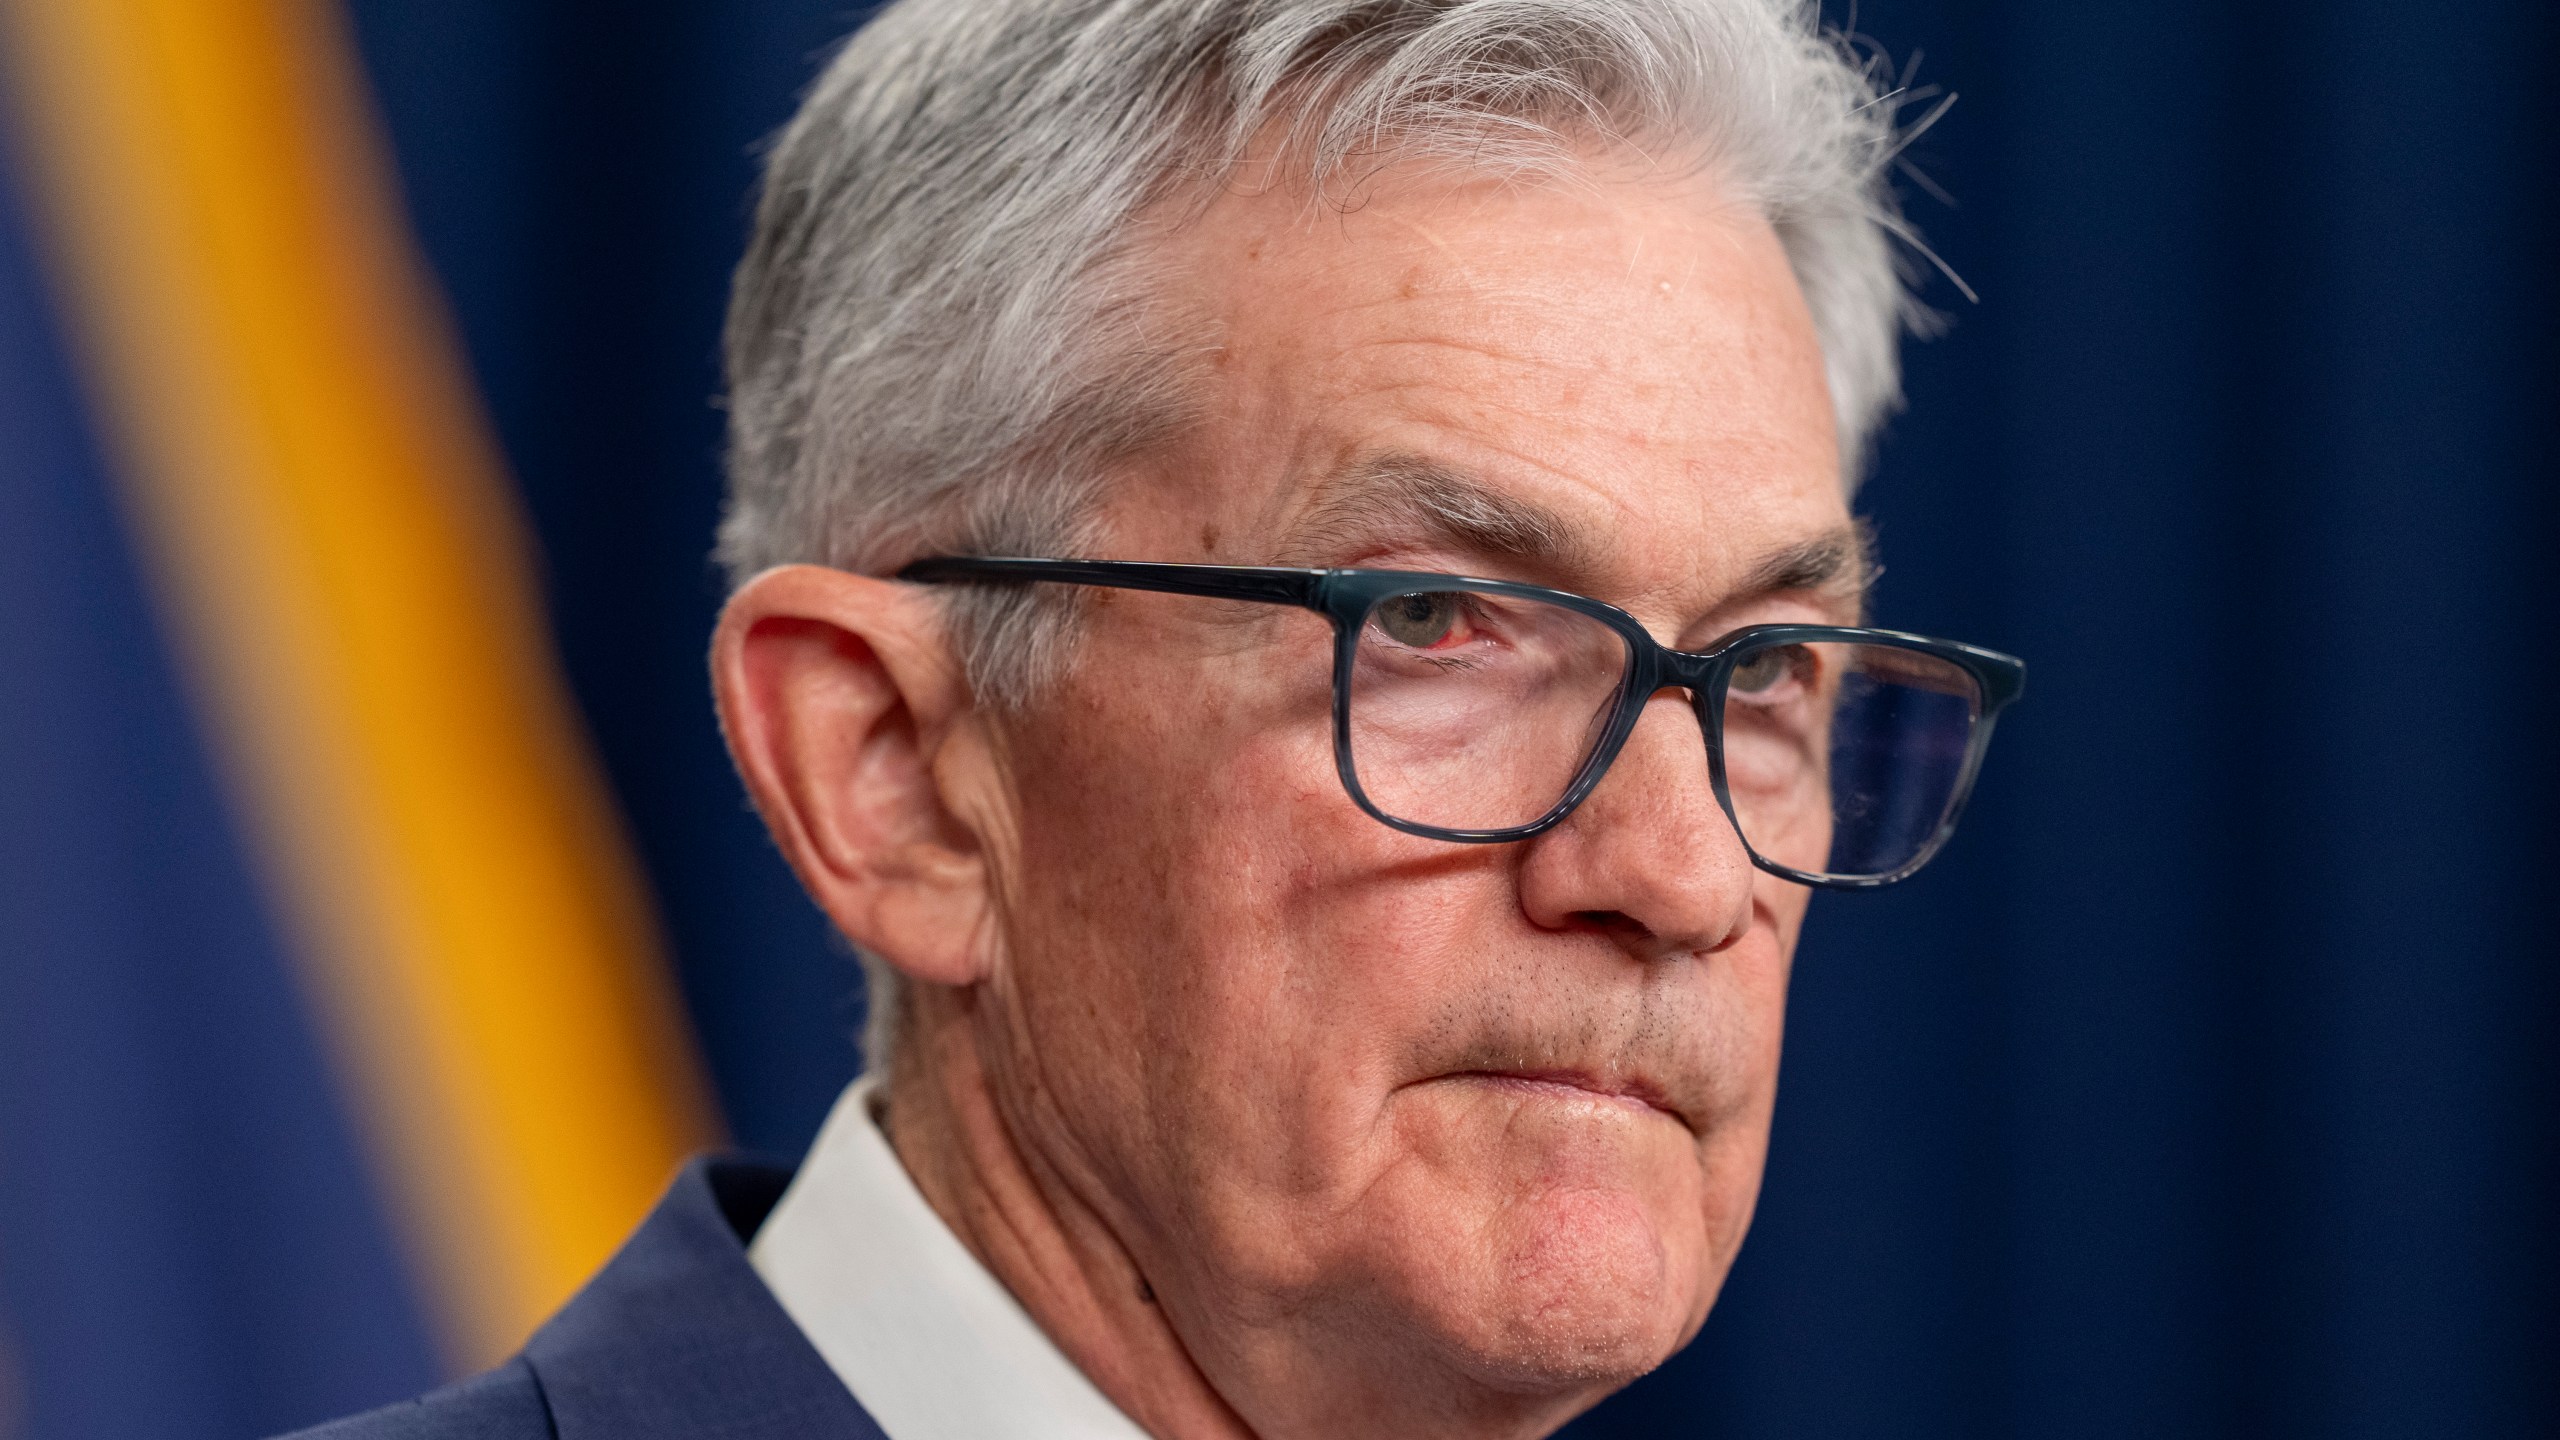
940 333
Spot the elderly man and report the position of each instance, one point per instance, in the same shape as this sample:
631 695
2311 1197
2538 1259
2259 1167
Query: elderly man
1295 599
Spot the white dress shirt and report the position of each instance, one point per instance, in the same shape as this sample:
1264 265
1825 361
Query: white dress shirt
929 1342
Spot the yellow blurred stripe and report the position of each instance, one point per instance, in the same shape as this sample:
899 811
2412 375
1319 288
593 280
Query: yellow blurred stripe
335 541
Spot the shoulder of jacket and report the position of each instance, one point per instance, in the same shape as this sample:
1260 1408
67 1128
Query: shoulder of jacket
504 1404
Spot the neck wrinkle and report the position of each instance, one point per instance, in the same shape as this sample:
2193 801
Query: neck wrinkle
1030 1230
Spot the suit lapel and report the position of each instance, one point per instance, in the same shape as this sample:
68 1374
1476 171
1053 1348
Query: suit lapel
677 1337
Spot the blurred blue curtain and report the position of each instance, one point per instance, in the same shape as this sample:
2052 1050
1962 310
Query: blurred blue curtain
2206 1087
190 1244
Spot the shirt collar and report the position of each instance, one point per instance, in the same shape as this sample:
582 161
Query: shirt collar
930 1342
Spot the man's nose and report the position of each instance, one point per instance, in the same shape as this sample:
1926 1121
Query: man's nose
1649 858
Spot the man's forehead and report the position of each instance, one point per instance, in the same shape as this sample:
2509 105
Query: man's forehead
1614 388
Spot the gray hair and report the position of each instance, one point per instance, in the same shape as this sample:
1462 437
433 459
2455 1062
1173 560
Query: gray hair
940 333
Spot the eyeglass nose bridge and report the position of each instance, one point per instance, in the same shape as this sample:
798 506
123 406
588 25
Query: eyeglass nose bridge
1657 668
1688 670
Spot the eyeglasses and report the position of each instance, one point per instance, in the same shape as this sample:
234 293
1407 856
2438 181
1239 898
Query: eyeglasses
1482 711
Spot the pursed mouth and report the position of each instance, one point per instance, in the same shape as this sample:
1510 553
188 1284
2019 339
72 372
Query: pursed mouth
1633 1091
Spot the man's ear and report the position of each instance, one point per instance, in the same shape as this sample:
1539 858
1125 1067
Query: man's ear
837 694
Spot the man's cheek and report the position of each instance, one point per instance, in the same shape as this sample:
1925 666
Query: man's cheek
1783 906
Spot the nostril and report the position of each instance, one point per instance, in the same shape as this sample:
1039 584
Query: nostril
1613 922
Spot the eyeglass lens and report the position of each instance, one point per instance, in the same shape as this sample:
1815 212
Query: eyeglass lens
1476 711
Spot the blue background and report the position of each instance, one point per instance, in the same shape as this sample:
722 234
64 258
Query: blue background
2205 1087
188 1241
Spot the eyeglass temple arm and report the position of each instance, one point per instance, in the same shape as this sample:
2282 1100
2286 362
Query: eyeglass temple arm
1271 584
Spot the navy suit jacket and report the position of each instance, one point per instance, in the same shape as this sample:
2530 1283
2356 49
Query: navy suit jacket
676 1337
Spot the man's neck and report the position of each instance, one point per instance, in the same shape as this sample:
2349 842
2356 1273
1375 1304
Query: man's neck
1035 1235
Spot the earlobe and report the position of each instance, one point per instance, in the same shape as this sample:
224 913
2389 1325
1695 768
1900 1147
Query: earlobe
838 697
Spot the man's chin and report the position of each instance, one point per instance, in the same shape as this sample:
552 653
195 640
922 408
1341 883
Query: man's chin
1553 1289
1586 1289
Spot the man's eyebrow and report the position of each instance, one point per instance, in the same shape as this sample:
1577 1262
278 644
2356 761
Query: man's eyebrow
1842 561
1398 493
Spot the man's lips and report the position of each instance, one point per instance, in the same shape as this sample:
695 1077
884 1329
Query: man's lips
1634 1091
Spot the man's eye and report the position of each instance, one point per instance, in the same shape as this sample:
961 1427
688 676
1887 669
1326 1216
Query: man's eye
1766 670
1420 621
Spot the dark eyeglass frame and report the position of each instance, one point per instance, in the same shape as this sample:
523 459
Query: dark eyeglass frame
1346 597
